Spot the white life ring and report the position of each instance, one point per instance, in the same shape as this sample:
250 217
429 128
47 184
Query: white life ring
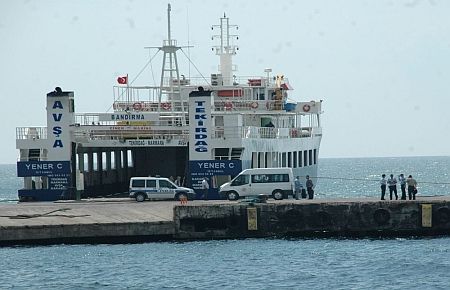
137 106
228 106
306 108
166 106
254 105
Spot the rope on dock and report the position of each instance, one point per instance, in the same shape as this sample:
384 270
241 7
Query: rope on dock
47 214
374 180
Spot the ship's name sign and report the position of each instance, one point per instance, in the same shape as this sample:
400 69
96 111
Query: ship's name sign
214 165
43 166
201 132
161 142
128 117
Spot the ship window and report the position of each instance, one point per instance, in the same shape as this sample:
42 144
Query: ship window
289 159
305 158
236 153
283 159
129 158
300 161
113 160
71 106
94 161
310 157
295 159
254 159
315 156
221 153
218 120
261 160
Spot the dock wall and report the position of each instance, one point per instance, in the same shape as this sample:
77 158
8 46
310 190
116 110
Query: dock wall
313 219
128 221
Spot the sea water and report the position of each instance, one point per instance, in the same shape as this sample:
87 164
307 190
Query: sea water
398 263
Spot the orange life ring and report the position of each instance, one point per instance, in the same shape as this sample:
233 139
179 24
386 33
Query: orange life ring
137 106
254 105
228 106
166 106
306 108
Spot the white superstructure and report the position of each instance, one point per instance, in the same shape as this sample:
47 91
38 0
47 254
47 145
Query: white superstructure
174 130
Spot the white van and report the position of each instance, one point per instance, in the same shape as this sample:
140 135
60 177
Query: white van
142 188
275 182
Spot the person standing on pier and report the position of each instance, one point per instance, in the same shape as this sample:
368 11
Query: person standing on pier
309 187
392 183
205 188
383 186
412 187
178 181
298 187
402 181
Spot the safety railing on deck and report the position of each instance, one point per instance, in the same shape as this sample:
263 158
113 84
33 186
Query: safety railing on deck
31 133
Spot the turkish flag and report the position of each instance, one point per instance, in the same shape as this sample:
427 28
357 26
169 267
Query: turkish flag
122 80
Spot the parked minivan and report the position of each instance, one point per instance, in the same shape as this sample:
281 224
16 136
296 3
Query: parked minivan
142 188
275 182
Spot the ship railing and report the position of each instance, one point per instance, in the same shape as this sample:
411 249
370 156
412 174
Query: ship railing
150 106
146 132
275 133
217 81
233 105
133 94
23 133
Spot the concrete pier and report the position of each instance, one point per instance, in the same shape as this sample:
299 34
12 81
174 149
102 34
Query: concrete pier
124 220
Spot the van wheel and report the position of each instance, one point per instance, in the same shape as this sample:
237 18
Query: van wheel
181 195
278 195
140 197
233 195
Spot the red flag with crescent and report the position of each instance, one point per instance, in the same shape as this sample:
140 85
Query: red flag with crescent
122 80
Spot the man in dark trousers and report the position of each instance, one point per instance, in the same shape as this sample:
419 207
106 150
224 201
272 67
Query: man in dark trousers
309 187
402 180
392 183
383 185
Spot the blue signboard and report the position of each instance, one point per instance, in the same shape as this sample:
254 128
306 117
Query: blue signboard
211 168
43 168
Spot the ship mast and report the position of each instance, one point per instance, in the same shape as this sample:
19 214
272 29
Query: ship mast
226 49
170 74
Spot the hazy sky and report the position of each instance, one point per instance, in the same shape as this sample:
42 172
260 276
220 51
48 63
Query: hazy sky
382 67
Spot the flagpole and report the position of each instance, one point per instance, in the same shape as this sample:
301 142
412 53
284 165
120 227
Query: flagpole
128 91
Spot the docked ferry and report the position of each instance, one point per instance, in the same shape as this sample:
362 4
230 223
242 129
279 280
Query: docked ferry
184 128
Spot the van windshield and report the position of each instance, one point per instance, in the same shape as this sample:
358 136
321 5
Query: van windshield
240 180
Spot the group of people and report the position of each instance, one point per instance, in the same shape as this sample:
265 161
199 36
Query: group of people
300 191
178 181
391 183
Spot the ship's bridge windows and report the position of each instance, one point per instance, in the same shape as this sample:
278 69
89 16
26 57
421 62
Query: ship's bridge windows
305 158
295 159
315 156
300 161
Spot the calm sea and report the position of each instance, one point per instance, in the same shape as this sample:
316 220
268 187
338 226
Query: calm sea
412 263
